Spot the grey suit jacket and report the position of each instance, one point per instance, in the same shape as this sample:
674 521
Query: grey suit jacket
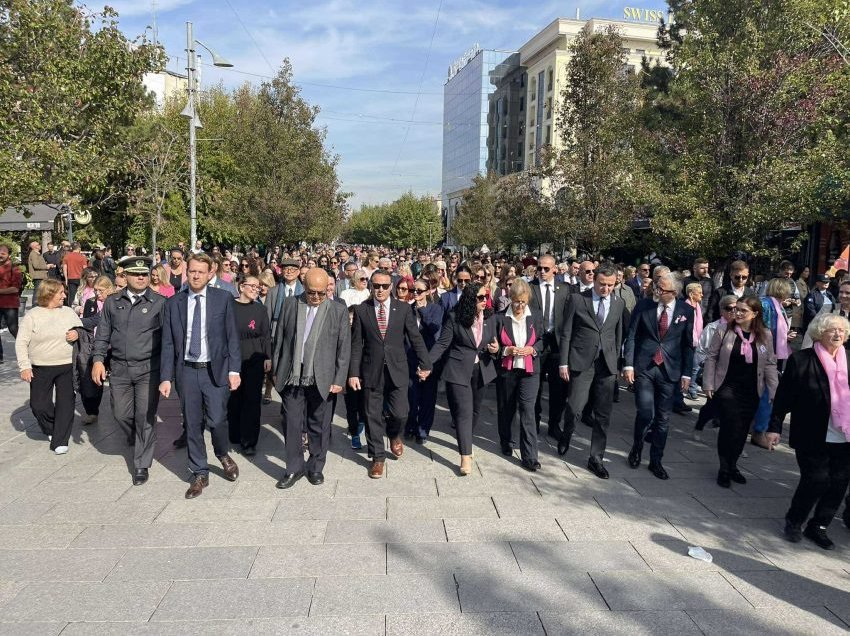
333 348
582 337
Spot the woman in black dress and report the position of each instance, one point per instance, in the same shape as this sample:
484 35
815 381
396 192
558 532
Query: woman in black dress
252 323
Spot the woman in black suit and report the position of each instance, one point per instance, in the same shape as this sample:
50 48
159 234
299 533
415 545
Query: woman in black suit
816 391
90 393
422 395
468 341
519 332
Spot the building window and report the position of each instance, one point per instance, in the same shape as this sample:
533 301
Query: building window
522 103
640 51
531 141
548 108
550 84
533 89
548 135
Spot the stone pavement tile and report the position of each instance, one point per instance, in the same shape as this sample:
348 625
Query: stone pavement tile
235 599
485 624
380 531
582 485
8 590
265 489
694 454
788 622
746 507
668 590
440 508
32 629
103 512
780 471
510 529
406 469
646 623
373 625
172 489
22 512
77 472
263 533
35 537
805 555
365 487
77 492
629 507
552 590
168 564
841 611
140 535
801 589
714 531
318 560
649 486
494 557
763 488
119 472
434 592
731 556
113 601
202 510
617 529
326 509
577 556
484 486
536 506
57 565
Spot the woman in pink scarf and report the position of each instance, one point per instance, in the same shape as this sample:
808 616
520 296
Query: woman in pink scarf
816 391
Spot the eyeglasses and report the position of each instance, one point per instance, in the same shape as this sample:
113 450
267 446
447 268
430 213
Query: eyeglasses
251 286
362 279
402 289
245 265
729 308
382 285
481 297
544 269
664 291
320 294
835 330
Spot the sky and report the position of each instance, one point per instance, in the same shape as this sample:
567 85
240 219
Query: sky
375 68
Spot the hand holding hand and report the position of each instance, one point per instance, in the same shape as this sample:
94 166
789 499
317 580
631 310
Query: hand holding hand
354 383
165 389
98 373
493 346
335 388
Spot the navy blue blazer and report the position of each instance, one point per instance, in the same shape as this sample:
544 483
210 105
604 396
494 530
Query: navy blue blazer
430 325
223 344
448 301
677 348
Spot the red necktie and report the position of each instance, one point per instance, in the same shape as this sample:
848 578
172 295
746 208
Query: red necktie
658 358
382 320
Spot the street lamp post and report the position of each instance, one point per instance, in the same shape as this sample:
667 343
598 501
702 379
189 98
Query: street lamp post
194 122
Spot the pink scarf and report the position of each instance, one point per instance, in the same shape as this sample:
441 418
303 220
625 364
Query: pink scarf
697 319
839 391
746 344
508 361
782 350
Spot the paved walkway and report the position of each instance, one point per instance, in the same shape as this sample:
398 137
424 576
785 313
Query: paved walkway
421 551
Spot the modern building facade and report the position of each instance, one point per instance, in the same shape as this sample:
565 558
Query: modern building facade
465 125
506 118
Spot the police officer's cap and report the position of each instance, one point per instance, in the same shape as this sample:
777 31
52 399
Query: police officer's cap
136 264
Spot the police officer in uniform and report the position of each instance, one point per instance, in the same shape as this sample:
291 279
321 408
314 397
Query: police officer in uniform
131 324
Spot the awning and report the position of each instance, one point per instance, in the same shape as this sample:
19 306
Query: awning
33 217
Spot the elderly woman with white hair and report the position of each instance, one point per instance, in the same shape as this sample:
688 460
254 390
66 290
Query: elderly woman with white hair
816 391
360 290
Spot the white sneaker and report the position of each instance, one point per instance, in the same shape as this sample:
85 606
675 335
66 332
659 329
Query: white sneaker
61 450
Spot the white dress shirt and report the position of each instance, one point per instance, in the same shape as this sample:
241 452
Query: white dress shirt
190 312
519 335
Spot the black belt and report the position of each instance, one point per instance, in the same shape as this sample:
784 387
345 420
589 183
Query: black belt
196 365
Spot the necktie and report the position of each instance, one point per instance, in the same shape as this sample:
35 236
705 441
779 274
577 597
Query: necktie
195 339
382 320
600 312
288 292
548 306
663 323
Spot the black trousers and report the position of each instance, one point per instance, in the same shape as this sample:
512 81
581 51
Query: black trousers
9 317
517 391
305 410
35 283
245 404
134 393
465 406
423 402
707 413
73 285
204 405
550 375
824 475
591 390
57 418
385 393
736 413
90 393
355 413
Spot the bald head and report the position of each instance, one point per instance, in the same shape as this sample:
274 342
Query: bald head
315 285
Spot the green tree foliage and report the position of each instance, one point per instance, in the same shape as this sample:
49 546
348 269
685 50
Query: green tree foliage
69 80
409 221
476 221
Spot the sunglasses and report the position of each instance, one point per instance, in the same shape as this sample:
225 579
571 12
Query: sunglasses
419 290
739 277
464 281
481 297
320 294
544 269
245 265
402 289
363 279
729 308
381 285
590 271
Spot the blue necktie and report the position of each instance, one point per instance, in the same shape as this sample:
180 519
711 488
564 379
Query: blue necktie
195 339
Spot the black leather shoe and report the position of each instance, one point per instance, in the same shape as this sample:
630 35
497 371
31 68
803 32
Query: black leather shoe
140 476
530 466
682 410
736 476
180 442
793 532
634 457
249 451
288 481
724 479
507 451
818 535
597 468
564 444
658 470
420 440
316 478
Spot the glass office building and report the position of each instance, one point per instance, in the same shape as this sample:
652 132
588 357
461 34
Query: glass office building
465 108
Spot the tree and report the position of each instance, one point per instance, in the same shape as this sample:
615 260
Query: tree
476 221
409 221
69 80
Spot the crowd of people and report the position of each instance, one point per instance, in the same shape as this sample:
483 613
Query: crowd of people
383 327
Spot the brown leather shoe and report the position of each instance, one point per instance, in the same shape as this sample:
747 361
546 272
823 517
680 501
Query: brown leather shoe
197 485
231 470
376 471
397 447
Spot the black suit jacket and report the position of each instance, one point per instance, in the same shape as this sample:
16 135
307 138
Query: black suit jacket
223 345
561 294
457 344
582 338
804 392
370 353
535 320
677 347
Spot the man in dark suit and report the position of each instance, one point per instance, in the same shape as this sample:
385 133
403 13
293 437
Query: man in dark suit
550 299
379 365
591 337
201 355
463 277
659 352
310 368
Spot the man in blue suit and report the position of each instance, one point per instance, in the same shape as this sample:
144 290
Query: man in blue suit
201 355
659 348
463 276
217 282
